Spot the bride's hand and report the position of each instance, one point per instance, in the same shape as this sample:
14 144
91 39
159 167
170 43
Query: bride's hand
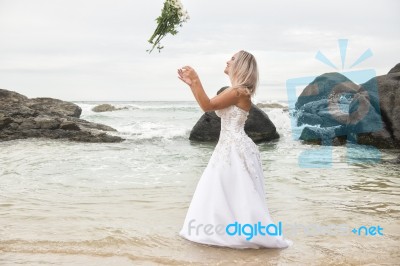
188 75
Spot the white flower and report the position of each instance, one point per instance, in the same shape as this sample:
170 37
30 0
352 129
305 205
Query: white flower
172 12
177 4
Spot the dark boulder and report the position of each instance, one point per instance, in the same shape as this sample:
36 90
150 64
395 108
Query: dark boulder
258 126
21 117
369 113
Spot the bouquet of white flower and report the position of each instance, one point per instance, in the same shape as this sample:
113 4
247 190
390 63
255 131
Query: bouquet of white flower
171 16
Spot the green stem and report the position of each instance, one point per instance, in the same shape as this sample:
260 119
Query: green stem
161 34
156 32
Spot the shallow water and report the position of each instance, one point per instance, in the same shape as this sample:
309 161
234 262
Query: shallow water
69 203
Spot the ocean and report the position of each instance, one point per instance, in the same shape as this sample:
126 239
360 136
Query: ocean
70 203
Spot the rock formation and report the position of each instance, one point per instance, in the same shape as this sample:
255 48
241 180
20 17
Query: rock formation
21 117
335 110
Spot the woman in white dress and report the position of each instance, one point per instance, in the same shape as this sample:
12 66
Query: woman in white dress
228 207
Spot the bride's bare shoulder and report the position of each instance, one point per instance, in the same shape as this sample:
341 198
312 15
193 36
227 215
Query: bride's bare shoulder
244 98
243 92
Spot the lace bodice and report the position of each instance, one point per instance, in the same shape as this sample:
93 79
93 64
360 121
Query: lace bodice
233 119
232 135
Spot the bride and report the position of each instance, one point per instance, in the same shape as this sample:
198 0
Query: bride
228 207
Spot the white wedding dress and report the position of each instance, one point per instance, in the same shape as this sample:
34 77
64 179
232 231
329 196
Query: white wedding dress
231 189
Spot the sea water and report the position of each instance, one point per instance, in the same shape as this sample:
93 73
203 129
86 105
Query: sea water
70 203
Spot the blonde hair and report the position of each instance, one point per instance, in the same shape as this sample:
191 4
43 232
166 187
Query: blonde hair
244 73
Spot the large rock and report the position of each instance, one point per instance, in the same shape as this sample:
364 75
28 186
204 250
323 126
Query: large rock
258 126
367 114
21 117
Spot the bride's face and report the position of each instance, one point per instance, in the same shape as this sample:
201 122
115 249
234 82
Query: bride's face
229 63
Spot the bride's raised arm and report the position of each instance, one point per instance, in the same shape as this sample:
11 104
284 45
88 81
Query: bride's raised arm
227 98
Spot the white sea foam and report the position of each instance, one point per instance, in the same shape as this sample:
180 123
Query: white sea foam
155 121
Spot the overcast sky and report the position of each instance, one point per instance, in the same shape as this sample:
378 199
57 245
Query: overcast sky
96 49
